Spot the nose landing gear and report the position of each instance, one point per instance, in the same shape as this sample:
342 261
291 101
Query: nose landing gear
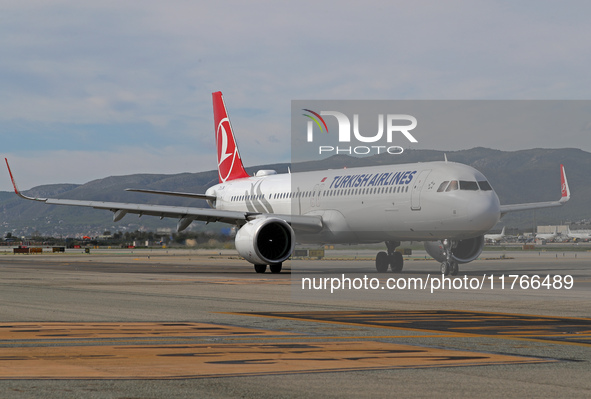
449 265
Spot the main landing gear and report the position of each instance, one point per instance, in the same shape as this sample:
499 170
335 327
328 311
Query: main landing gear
276 268
390 259
449 266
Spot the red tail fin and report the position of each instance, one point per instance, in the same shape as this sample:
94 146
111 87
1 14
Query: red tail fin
564 185
229 162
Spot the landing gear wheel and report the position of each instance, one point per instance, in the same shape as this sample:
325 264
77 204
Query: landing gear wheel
445 268
260 268
276 268
396 262
455 269
382 262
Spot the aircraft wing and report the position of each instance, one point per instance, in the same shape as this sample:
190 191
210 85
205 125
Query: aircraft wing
537 205
173 193
186 215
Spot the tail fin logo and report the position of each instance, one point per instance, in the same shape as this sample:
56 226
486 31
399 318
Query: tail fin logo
225 168
229 163
228 155
564 185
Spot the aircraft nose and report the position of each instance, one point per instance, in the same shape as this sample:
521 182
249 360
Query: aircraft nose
485 211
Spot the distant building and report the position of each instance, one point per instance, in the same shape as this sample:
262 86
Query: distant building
560 229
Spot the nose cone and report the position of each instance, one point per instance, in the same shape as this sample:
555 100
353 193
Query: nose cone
484 211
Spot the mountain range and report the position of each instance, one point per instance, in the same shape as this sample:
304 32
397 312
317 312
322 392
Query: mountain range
517 176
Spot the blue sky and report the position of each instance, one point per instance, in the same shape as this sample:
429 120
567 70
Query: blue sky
93 89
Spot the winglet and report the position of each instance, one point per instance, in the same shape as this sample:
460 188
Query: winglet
12 178
564 185
16 190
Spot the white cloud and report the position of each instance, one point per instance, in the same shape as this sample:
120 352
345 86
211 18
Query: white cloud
116 65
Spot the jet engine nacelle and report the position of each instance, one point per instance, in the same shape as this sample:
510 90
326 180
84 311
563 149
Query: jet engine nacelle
265 241
466 250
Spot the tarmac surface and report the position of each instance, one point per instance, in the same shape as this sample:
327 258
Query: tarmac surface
194 323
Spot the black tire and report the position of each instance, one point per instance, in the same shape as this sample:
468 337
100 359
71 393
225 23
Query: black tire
445 268
382 262
276 268
396 262
260 268
455 269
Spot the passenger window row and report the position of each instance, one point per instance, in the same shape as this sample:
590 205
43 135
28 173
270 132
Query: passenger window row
326 193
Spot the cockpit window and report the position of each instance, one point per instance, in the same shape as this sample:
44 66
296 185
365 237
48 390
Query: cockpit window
453 185
442 186
468 185
484 185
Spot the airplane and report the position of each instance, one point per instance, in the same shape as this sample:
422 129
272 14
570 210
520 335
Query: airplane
495 237
576 236
547 236
447 205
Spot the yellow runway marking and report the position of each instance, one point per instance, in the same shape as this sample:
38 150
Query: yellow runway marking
558 330
220 360
30 331
176 350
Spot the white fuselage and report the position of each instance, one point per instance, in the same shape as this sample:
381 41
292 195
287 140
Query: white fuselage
373 204
495 237
546 236
578 236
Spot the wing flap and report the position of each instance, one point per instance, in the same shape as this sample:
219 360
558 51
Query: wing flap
120 209
173 193
162 211
301 222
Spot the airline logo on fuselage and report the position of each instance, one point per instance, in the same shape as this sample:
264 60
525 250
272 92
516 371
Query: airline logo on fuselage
373 179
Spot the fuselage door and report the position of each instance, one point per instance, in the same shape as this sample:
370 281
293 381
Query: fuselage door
319 195
417 186
313 198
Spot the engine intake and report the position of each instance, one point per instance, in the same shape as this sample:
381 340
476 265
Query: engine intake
464 252
265 241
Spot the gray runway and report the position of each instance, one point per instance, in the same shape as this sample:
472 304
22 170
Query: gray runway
152 324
